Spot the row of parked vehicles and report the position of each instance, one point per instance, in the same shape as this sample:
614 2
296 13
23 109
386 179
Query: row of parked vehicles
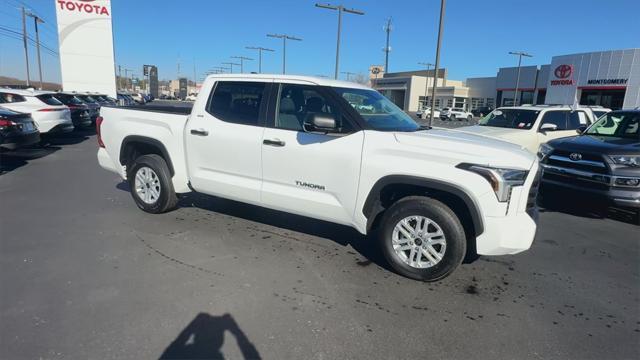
131 99
25 115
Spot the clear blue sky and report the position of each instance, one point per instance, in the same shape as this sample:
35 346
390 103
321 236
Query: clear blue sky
477 37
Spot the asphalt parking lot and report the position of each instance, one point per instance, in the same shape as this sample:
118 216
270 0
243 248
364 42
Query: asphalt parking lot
85 274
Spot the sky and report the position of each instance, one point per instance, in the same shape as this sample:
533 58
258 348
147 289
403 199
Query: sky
477 36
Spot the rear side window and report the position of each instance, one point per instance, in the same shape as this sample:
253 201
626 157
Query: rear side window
49 99
237 102
558 118
7 98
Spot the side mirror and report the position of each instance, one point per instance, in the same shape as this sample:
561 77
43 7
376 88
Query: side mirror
548 127
324 123
581 129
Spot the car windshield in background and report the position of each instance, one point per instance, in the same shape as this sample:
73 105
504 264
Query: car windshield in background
624 125
69 99
49 99
598 113
510 118
378 111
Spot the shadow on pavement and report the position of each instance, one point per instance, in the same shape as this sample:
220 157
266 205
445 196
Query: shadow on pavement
583 206
11 160
204 336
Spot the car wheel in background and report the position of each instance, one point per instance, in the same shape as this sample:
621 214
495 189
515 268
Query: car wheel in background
469 117
422 238
150 183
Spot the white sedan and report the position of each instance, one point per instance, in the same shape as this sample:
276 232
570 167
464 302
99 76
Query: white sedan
425 112
48 112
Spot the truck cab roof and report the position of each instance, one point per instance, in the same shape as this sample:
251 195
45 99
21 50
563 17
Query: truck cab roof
312 80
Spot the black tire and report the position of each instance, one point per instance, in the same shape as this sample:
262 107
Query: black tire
167 199
456 245
469 118
452 117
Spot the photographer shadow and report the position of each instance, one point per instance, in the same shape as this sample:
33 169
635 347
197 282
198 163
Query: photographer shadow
203 339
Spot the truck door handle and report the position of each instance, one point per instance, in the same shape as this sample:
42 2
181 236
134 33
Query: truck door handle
273 142
199 132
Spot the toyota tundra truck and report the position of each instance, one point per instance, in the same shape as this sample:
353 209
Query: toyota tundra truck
335 151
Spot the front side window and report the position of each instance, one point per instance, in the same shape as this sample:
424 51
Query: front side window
378 111
576 119
7 98
510 118
237 102
297 104
557 118
625 125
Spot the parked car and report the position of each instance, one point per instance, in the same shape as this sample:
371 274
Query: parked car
93 104
455 114
530 126
425 112
598 111
17 130
80 112
309 152
481 111
138 98
50 115
604 160
104 100
191 97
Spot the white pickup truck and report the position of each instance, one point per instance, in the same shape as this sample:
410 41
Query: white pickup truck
335 151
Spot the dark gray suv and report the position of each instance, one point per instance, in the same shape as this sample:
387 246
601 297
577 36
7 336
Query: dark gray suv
604 160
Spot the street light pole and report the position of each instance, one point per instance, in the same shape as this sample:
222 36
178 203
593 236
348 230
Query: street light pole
24 39
260 50
426 82
231 64
242 59
520 55
340 10
284 38
437 66
387 48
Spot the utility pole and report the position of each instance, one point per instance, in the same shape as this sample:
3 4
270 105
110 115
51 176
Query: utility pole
119 77
348 74
37 20
437 66
520 55
426 81
24 39
230 65
284 38
260 50
219 69
387 49
242 59
340 10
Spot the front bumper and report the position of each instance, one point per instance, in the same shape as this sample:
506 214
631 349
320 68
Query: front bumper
598 185
514 232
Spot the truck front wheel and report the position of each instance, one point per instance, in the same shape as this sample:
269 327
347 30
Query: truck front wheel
150 184
422 238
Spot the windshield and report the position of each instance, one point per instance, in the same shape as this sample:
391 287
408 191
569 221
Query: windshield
510 118
617 124
49 99
378 111
88 99
598 113
69 99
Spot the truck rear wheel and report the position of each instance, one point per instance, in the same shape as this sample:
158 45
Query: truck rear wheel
422 238
150 184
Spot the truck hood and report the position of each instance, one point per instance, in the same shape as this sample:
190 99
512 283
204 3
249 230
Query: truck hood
608 145
469 148
497 132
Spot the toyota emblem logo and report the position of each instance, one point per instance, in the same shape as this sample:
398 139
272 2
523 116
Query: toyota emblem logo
575 157
563 71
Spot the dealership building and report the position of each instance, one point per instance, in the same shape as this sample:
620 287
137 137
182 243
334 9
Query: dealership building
607 78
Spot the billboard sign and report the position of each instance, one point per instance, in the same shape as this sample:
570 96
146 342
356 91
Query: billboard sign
85 38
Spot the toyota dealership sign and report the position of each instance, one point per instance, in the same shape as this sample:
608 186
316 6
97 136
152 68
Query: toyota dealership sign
86 45
563 75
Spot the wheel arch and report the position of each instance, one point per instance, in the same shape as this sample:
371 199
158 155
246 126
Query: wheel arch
134 145
392 188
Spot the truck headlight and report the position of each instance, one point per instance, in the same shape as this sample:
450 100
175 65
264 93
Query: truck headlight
628 160
501 180
543 151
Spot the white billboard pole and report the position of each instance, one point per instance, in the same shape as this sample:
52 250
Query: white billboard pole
85 36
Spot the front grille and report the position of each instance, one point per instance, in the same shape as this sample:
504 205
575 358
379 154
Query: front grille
588 162
575 181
